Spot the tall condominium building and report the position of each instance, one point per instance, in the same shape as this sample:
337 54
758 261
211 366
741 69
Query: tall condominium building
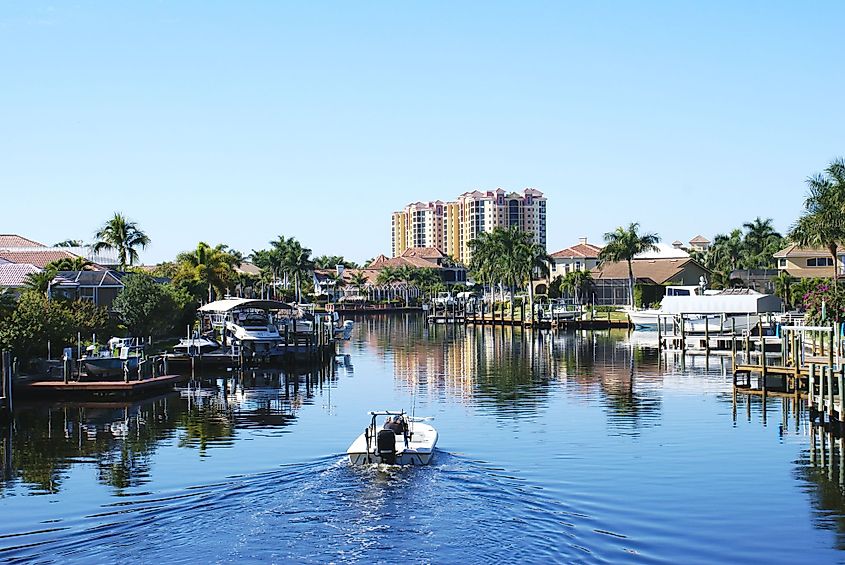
450 226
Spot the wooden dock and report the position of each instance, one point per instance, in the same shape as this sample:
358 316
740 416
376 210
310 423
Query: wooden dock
812 366
97 389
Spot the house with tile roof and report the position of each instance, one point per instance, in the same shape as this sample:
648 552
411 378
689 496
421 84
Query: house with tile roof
610 281
580 257
807 262
11 241
699 243
40 258
14 275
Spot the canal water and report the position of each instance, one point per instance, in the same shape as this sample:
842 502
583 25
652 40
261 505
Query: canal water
554 447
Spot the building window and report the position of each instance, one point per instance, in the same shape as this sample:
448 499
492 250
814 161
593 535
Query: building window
820 262
781 263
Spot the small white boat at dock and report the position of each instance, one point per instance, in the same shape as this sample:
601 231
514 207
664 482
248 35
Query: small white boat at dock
401 441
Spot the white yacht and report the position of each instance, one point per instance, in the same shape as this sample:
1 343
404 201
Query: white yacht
246 323
401 441
733 309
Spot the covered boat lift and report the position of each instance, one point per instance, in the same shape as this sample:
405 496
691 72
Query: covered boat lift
730 302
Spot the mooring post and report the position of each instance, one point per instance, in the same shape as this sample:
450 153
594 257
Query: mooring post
830 347
748 348
683 334
830 393
763 371
811 385
707 334
659 332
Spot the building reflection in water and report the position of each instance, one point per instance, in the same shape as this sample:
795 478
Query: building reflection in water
45 440
510 370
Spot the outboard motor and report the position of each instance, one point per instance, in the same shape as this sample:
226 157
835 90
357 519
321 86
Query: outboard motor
386 446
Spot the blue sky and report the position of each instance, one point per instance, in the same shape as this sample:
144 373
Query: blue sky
235 122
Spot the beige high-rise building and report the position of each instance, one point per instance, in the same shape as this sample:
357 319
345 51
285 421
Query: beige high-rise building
450 226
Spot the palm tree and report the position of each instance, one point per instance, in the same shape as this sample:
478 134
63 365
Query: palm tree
486 262
622 245
336 282
761 241
69 243
8 300
727 252
359 280
123 236
212 267
783 288
823 222
574 282
40 282
70 264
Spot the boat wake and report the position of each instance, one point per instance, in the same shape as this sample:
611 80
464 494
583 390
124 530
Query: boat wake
327 510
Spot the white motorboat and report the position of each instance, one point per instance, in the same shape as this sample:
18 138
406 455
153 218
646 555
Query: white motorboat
401 441
247 323
196 345
645 319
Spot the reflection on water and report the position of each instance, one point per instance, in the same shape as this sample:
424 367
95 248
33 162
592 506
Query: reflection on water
47 440
555 447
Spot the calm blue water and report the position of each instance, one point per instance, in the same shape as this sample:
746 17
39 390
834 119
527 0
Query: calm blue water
560 447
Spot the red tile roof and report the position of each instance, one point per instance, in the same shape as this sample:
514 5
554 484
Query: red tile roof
13 275
423 252
699 239
582 250
37 258
13 241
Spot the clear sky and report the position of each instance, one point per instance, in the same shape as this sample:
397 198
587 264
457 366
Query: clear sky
235 122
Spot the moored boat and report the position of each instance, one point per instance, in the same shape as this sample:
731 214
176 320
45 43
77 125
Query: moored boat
121 355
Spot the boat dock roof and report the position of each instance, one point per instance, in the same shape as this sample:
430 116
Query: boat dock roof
231 304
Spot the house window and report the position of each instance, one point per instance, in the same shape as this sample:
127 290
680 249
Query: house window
820 262
781 263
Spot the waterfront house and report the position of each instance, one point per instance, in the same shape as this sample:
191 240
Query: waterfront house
652 271
580 257
699 243
18 249
807 262
99 287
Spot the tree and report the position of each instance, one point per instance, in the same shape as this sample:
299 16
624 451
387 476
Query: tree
486 263
331 261
623 245
206 267
8 301
359 280
70 264
149 308
760 242
123 236
575 282
822 225
36 320
40 282
727 253
783 288
69 243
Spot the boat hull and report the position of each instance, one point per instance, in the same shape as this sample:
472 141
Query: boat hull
109 366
